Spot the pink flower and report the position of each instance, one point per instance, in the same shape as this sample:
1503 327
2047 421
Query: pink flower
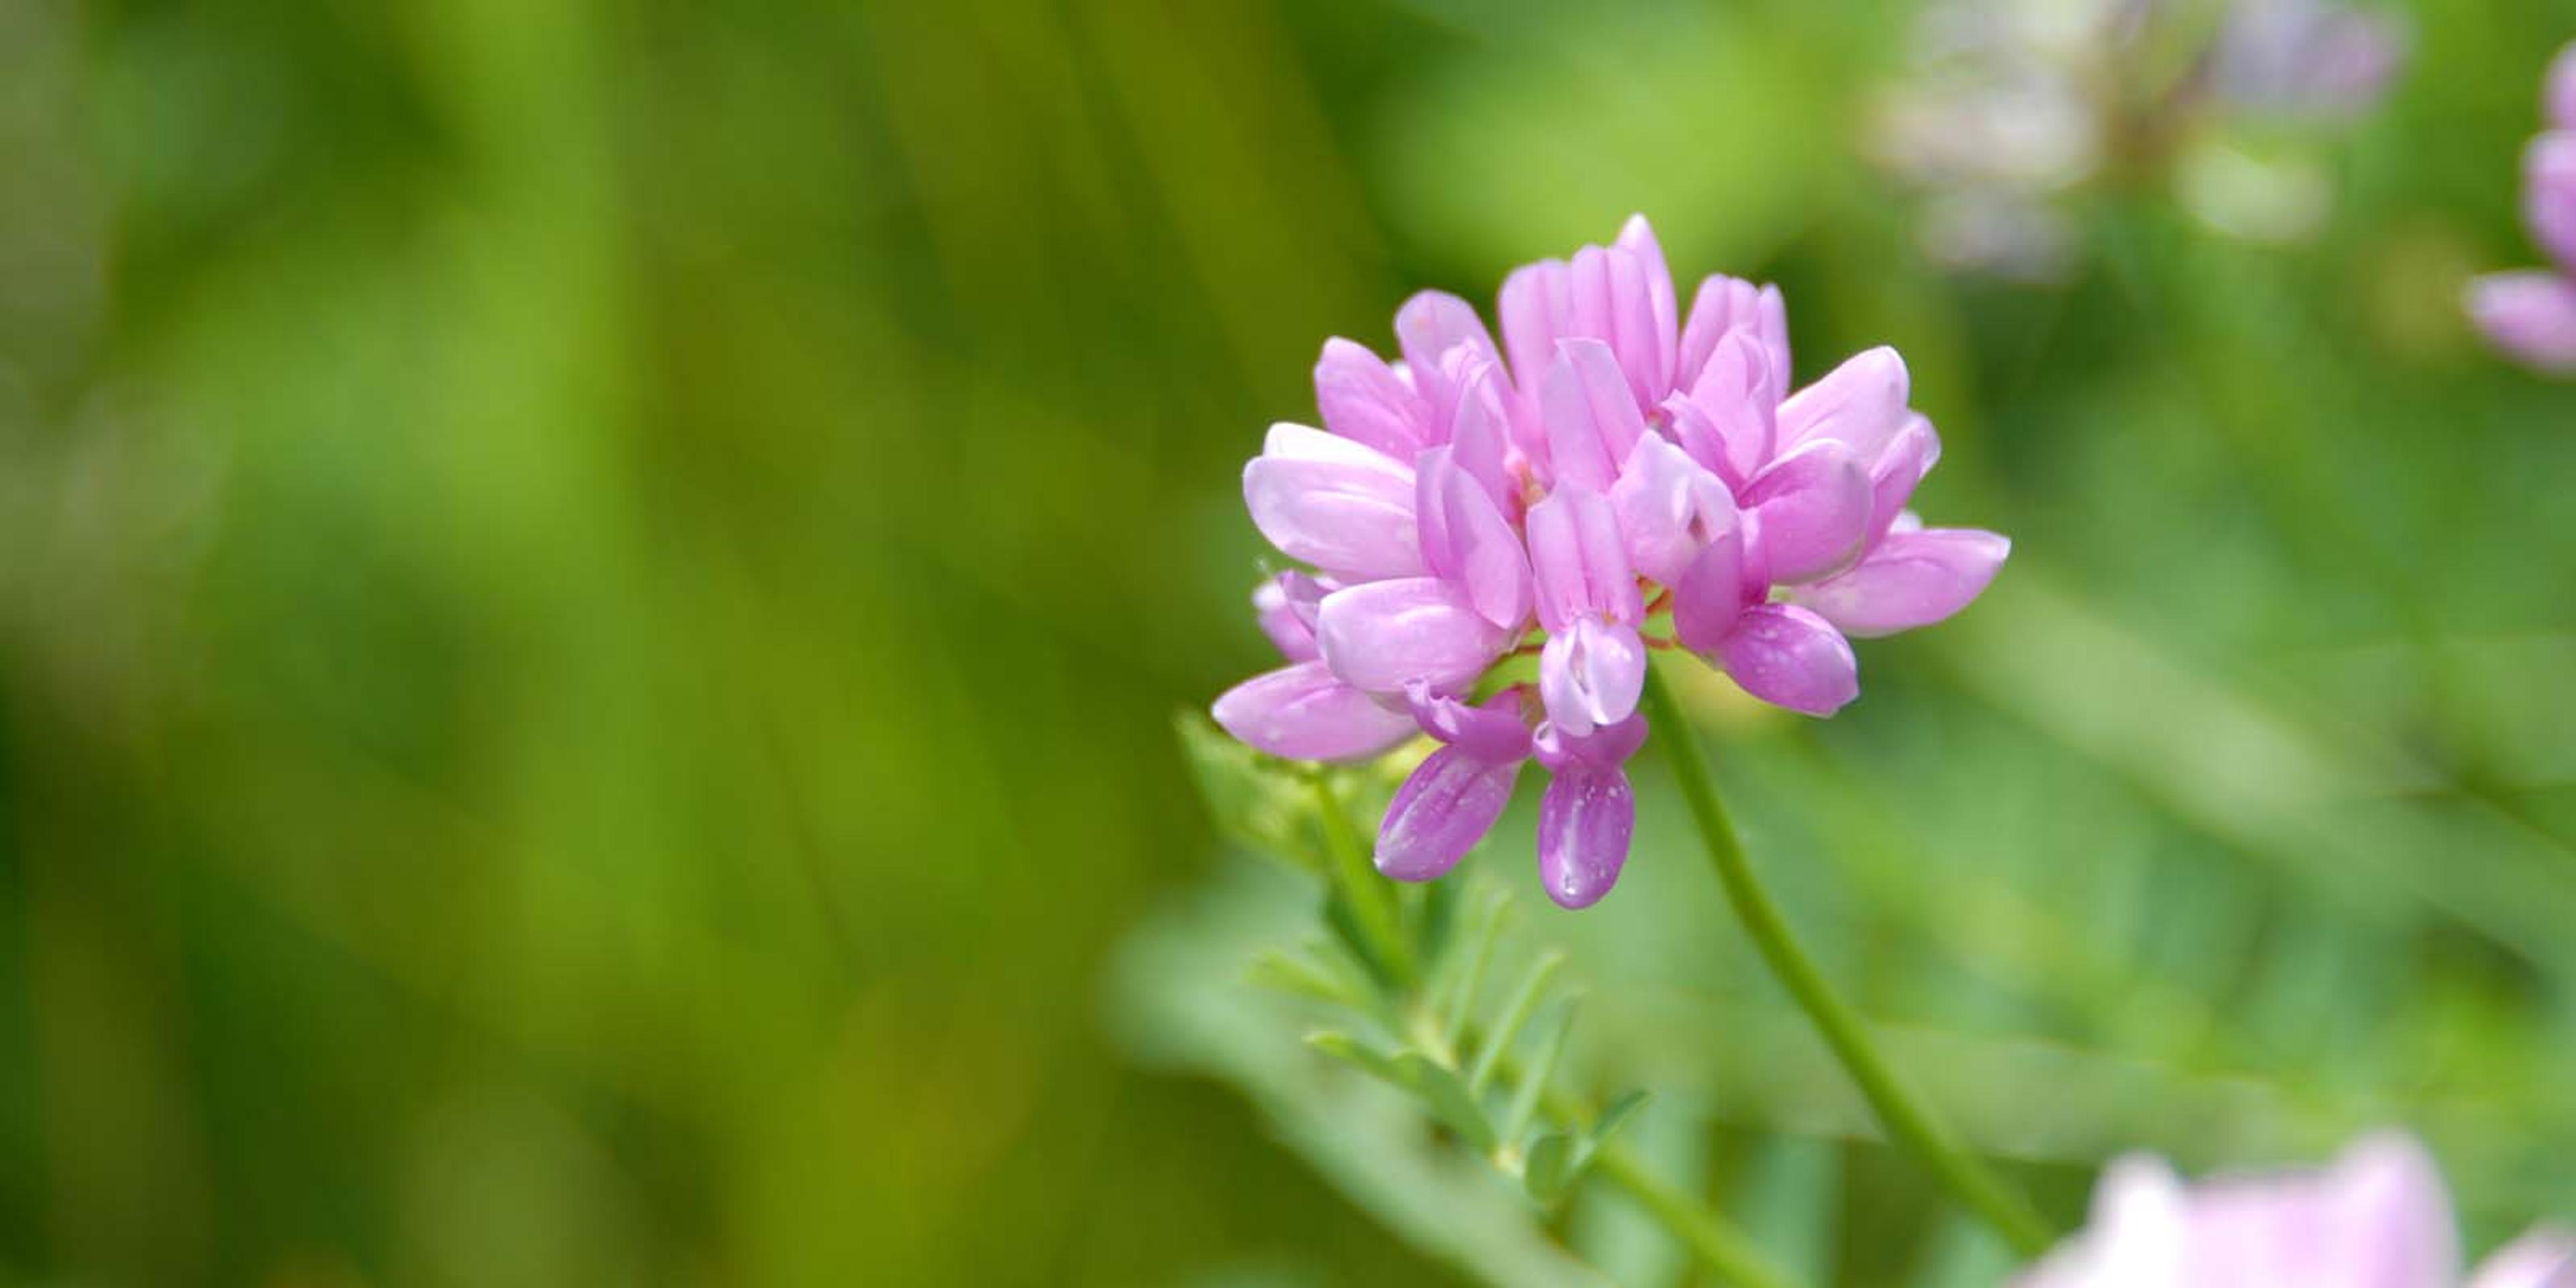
1627 460
2377 1218
2531 314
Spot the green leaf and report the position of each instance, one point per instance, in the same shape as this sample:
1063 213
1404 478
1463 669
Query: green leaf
1299 977
1551 1167
1468 969
1616 1116
1360 1055
1533 1088
1446 1093
1515 1015
1257 801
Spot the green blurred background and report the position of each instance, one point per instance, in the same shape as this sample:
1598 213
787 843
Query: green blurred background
592 596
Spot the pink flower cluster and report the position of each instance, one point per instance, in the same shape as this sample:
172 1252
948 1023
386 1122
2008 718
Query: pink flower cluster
1610 462
2531 314
2378 1218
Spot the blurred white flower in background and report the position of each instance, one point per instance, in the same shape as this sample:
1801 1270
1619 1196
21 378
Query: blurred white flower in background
2010 108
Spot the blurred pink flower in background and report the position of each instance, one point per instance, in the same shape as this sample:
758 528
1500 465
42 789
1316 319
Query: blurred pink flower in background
2377 1218
2531 314
1612 460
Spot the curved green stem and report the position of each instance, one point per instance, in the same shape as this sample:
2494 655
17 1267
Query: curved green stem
1964 1174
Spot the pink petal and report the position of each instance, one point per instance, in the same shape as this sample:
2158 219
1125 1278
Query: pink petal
1431 328
1590 418
1811 512
1480 430
1735 397
2387 1202
1669 508
1363 400
1712 595
1383 634
1789 657
1285 605
1591 674
2544 1258
1579 561
2549 195
1303 713
2136 1238
1637 237
1493 730
2558 91
1466 540
1612 304
1913 579
1334 503
1729 306
1585 822
1913 453
2529 315
1860 404
1563 751
1537 309
1447 805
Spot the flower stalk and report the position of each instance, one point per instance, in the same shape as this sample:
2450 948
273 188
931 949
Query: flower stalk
1717 1245
1964 1174
1370 898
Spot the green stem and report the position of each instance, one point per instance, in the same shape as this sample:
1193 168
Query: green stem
1719 1246
1717 1242
1372 900
1965 1175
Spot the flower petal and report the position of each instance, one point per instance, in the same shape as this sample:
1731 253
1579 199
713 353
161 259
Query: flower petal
1585 822
1431 328
2544 1258
1591 675
1590 417
1613 305
1909 457
1334 503
2549 195
1735 398
1285 605
1536 307
2386 1196
1811 512
2136 1237
1480 429
1728 306
1913 579
1668 508
1303 713
1383 634
1563 751
1789 657
1466 541
1637 237
1860 404
2529 315
1492 730
1579 560
1362 399
1449 803
1712 595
